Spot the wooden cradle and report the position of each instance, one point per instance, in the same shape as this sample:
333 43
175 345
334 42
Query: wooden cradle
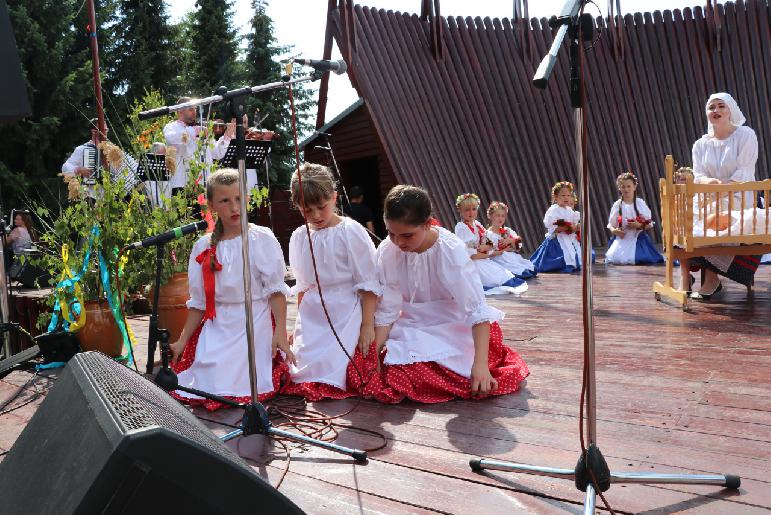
684 238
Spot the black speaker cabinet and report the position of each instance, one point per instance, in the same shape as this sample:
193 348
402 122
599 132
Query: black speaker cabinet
106 440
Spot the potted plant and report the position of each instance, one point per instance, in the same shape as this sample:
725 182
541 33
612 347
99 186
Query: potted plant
82 243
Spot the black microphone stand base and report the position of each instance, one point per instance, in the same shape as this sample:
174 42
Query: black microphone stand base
604 477
255 420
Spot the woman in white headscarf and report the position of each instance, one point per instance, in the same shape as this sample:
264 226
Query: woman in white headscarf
727 153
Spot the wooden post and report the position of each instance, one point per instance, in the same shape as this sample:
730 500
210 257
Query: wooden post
95 71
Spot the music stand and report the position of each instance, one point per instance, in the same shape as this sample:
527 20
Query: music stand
256 153
152 168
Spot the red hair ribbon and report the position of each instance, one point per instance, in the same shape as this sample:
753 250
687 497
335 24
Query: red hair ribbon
205 258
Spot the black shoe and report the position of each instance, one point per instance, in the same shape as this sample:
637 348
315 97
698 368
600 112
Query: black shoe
690 285
707 296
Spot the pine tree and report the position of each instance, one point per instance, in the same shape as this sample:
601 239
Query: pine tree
143 51
261 67
214 45
182 58
57 69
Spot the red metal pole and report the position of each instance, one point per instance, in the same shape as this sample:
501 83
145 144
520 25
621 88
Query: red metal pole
95 70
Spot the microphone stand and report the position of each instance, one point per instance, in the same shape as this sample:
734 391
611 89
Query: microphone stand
591 473
155 333
336 172
336 169
255 419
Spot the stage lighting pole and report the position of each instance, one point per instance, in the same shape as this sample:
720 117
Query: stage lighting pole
591 472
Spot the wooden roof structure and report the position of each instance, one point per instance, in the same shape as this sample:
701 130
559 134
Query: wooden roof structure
453 106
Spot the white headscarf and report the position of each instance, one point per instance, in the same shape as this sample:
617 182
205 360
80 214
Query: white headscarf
737 118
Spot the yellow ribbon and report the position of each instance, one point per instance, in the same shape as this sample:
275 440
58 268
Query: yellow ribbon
63 304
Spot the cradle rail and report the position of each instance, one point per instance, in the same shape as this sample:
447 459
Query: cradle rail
685 210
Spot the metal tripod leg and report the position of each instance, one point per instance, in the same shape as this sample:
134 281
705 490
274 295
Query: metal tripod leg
355 454
590 500
724 480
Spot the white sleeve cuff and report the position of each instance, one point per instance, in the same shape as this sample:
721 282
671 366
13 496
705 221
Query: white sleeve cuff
281 288
373 286
484 313
194 304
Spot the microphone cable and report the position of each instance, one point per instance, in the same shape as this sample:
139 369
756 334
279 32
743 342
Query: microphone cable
310 243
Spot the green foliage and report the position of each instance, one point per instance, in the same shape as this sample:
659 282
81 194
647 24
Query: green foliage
56 70
68 232
214 44
143 49
140 52
141 134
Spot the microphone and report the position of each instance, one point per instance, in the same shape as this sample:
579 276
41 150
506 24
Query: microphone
339 67
165 237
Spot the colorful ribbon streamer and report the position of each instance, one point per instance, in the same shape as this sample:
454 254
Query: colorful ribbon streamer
69 285
112 299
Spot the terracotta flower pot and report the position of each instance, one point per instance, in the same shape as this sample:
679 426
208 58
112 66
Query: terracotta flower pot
101 332
172 310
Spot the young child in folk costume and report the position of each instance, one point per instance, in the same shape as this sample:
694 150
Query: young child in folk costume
505 240
211 353
629 218
495 278
441 338
561 250
345 261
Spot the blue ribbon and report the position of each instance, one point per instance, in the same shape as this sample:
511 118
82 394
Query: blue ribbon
112 300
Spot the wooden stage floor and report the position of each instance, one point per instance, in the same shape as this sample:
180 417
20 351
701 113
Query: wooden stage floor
677 392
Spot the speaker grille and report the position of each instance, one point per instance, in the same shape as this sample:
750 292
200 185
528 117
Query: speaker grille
139 403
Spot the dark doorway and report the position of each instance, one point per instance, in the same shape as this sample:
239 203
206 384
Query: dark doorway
365 173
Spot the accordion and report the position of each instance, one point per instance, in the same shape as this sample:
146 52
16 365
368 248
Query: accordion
92 161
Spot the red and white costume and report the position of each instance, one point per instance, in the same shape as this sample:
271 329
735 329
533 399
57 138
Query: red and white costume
215 360
345 258
432 299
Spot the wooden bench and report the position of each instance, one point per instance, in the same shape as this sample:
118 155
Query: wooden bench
685 209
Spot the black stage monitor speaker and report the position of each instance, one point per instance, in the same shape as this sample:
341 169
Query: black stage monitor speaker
106 440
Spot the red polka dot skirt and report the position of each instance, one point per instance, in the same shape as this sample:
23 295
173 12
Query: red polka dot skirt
430 382
358 373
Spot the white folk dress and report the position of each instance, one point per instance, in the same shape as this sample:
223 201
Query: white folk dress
432 298
571 247
732 159
495 279
624 251
510 260
345 259
221 364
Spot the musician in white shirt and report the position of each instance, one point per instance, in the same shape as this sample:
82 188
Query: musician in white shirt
183 134
73 166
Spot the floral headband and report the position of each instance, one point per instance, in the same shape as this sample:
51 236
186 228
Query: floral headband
465 196
495 206
627 176
559 185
